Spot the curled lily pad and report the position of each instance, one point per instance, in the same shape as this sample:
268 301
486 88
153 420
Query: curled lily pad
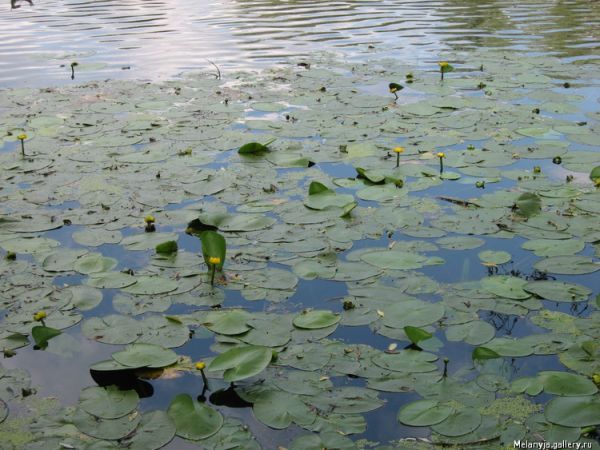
528 205
242 362
42 334
166 248
254 148
192 419
316 319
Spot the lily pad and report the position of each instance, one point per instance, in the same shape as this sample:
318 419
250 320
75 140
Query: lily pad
108 402
316 319
242 362
193 420
573 411
424 413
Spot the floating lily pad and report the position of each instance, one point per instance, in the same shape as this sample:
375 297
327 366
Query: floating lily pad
155 430
108 402
565 383
568 265
278 410
145 355
193 420
574 411
109 429
242 362
423 413
316 319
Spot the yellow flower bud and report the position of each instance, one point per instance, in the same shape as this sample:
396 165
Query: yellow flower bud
441 155
443 64
149 219
214 260
22 137
39 316
200 365
399 149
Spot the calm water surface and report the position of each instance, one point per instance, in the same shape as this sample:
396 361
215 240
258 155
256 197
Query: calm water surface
158 39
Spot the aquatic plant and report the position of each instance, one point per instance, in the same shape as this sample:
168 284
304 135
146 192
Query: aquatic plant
149 222
398 151
22 137
445 67
395 88
73 65
441 156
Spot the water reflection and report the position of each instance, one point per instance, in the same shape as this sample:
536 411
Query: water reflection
157 39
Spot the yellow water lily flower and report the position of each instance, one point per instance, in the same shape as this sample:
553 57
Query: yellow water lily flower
200 365
399 149
149 219
39 316
22 137
214 260
441 155
443 64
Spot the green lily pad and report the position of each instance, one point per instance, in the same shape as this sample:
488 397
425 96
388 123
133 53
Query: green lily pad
459 423
565 383
424 413
316 319
494 257
155 430
506 286
573 411
193 420
279 410
568 265
42 334
558 291
108 402
227 322
145 355
109 429
528 205
242 362
151 285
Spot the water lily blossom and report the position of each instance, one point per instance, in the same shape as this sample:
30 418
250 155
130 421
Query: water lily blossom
444 67
441 155
398 150
40 316
201 365
213 262
149 221
22 138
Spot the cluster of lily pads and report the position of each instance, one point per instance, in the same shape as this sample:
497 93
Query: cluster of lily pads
258 187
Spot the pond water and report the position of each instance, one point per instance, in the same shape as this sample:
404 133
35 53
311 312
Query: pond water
351 278
159 39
